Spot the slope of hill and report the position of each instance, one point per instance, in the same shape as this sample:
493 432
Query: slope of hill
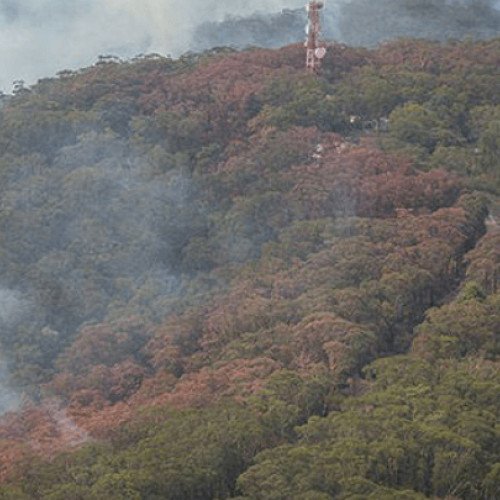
219 278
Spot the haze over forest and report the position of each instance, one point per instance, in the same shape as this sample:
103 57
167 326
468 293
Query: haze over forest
43 37
223 276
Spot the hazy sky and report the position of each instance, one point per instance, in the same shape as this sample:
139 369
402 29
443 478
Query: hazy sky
40 37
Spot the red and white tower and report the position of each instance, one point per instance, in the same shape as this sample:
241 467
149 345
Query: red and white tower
315 50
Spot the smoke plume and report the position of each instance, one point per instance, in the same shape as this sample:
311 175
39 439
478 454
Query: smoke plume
42 37
12 309
359 22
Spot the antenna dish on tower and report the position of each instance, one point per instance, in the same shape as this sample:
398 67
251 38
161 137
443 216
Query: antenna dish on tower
320 52
315 50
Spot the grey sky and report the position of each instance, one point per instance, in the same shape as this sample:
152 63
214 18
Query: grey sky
40 37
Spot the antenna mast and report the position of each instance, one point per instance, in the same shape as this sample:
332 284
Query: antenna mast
315 51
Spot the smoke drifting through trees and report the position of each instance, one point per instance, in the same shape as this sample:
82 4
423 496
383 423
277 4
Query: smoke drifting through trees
106 179
12 310
91 231
9 399
360 22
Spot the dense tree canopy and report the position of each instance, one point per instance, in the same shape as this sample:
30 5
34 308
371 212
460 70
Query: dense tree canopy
223 278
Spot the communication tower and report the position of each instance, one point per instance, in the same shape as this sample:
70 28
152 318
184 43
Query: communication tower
315 50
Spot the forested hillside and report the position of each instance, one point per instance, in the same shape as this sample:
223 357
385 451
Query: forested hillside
222 277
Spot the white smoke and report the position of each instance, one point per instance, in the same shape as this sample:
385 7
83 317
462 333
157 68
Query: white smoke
39 38
12 308
9 398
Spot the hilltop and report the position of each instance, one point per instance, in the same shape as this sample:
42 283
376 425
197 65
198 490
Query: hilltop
222 277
